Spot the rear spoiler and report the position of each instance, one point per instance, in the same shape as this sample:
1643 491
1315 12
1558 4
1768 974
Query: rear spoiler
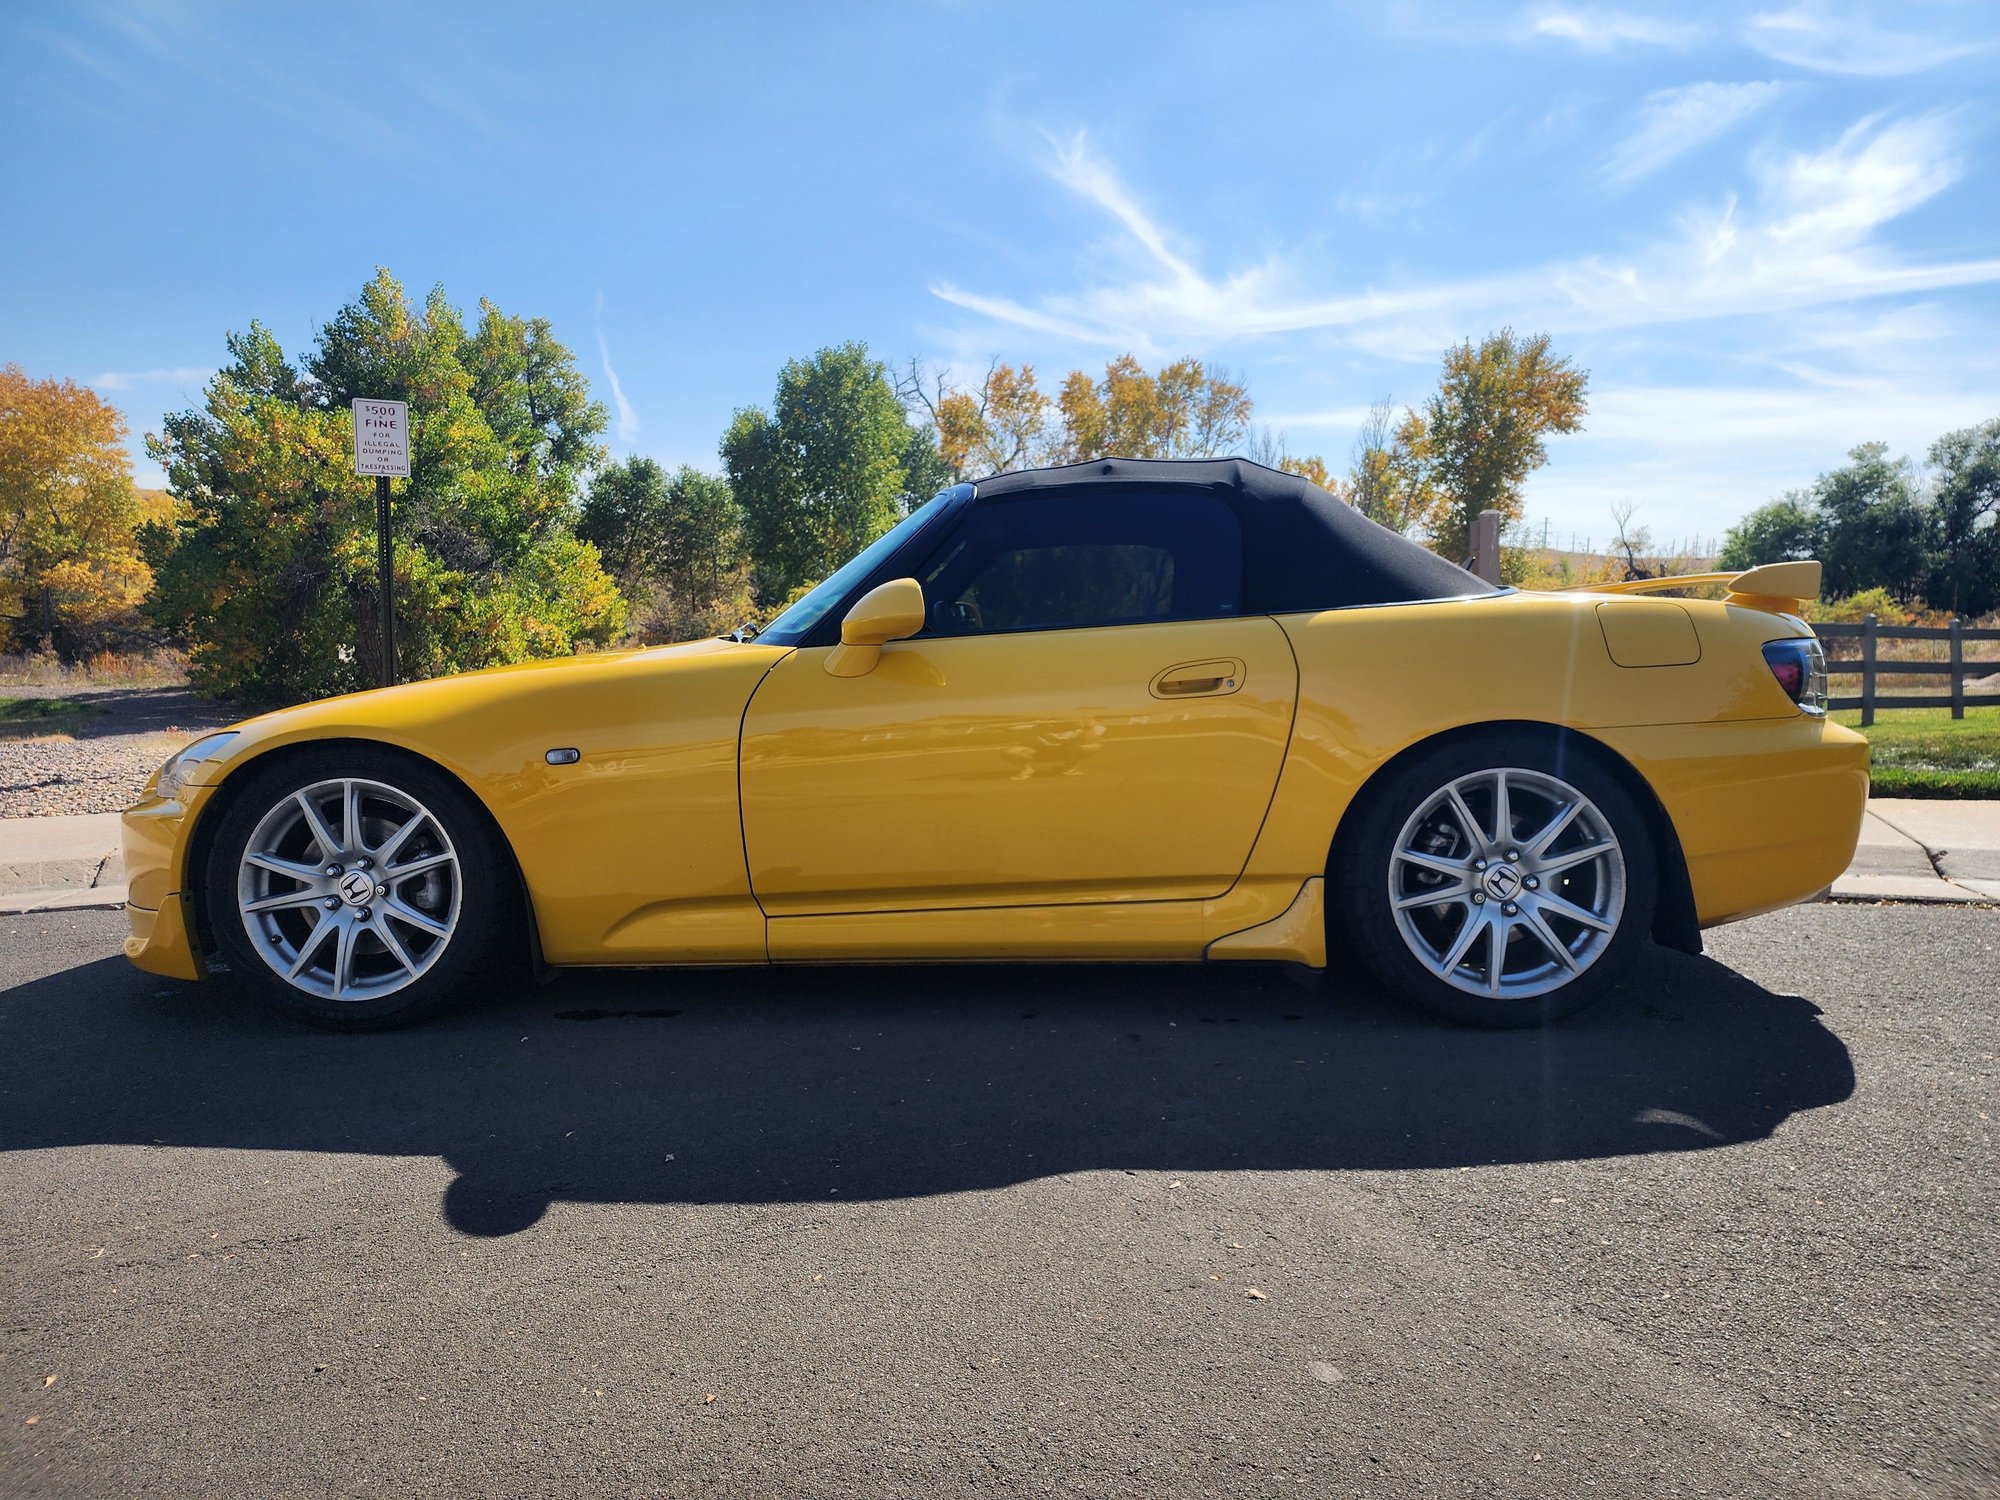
1781 585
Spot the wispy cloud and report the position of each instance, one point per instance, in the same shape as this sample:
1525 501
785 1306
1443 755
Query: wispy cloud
125 380
1599 30
1805 237
1672 122
1847 39
1409 175
628 419
1694 458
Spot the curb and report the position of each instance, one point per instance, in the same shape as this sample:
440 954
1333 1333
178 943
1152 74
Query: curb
86 898
1907 889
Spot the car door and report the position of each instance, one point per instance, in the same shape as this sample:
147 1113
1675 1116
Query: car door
1086 719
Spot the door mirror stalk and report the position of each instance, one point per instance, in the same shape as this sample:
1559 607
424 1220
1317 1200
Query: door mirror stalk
888 612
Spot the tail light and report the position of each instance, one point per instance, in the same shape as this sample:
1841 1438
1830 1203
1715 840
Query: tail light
1800 667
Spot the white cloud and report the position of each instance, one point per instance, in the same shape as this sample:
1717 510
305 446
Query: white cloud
1672 122
1332 419
1805 238
1597 30
1406 176
125 380
1744 348
1076 169
1846 39
1696 459
628 419
1828 416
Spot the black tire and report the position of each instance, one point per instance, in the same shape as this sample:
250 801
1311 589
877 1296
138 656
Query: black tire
1362 914
426 972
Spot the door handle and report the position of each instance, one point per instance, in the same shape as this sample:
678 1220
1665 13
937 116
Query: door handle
1199 679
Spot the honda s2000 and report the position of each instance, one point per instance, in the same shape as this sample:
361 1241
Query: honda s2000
1120 711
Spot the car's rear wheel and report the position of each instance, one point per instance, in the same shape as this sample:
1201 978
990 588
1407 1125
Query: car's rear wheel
1505 881
355 888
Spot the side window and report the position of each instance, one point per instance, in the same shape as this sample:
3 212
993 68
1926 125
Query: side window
1064 561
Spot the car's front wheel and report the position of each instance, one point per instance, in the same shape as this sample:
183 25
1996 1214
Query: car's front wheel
1505 881
355 888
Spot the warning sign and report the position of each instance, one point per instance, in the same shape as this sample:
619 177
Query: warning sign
382 438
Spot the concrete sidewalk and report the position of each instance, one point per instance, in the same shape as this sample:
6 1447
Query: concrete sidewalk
47 864
1911 850
1916 849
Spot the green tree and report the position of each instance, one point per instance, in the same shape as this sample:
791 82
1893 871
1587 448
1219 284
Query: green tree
1481 432
1965 508
820 475
269 569
1873 526
1784 530
925 472
675 544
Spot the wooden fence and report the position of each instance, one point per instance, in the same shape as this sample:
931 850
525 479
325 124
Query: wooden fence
1871 665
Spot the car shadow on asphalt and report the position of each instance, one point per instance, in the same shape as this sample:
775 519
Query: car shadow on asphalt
828 1085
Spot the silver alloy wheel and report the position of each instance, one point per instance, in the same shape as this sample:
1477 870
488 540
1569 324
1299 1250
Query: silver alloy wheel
1507 883
349 889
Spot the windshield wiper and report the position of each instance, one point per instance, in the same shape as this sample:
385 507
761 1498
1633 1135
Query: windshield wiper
744 632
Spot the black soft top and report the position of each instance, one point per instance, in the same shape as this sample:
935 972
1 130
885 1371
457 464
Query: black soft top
1302 548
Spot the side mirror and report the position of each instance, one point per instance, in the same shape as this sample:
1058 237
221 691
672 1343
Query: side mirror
887 612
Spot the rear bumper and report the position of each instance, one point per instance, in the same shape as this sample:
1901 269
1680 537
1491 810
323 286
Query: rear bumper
1768 811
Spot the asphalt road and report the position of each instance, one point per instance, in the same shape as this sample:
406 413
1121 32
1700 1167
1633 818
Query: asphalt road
948 1232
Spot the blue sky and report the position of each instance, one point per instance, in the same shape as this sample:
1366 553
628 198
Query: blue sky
1769 231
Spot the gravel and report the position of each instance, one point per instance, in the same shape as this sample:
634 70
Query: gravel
102 766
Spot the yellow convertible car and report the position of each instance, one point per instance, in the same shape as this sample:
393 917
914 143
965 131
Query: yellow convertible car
1121 711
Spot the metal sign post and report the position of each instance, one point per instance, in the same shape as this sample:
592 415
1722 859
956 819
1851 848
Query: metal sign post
382 448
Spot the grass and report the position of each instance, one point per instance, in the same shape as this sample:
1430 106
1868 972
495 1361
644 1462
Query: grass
31 718
134 669
1924 752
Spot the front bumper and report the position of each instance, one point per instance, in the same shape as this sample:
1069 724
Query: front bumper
1768 811
162 941
158 909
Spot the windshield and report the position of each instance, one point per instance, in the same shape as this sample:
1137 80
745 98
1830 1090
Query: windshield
796 623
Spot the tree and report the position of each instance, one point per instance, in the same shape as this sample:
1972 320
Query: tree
820 475
1481 432
1785 530
1184 410
925 472
1312 469
1966 516
1263 446
675 545
1636 542
1873 528
70 569
998 428
1867 522
269 572
1384 480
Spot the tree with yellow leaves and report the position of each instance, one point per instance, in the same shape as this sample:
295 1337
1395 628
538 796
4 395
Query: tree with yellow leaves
1185 409
1386 481
69 562
1480 434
